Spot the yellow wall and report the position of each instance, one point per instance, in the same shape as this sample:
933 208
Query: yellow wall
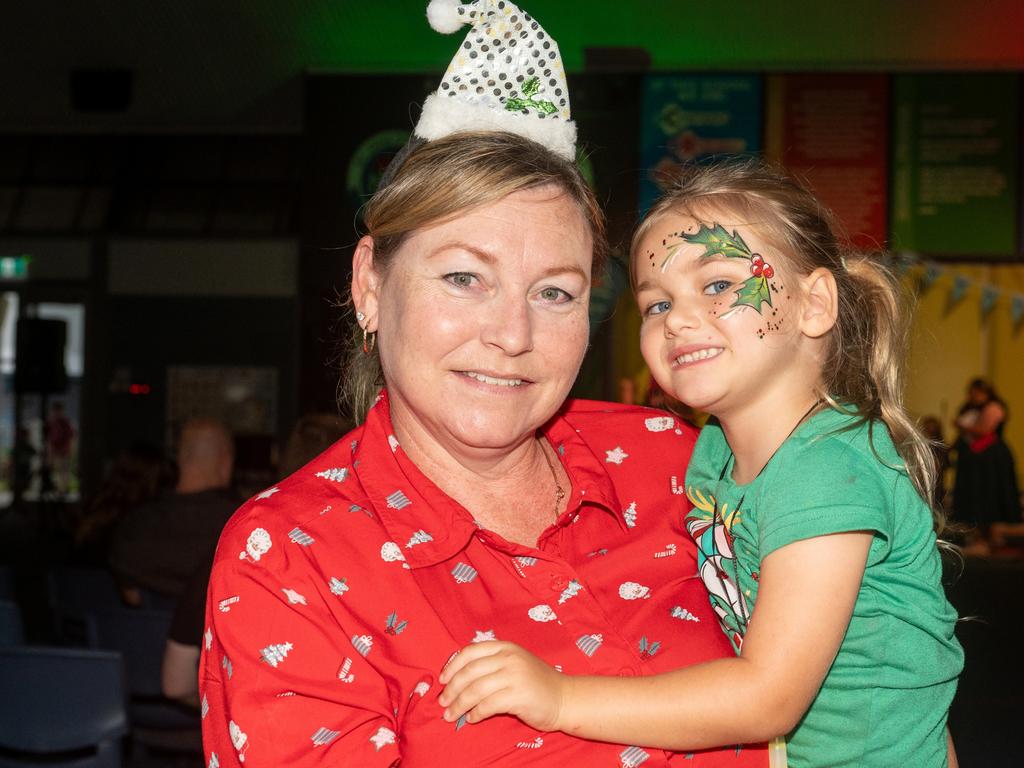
950 348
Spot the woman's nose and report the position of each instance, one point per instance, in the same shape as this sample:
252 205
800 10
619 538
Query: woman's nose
510 326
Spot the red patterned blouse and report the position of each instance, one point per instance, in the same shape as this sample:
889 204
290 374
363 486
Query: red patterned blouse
338 595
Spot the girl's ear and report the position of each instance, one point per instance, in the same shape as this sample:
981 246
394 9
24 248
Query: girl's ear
820 303
365 283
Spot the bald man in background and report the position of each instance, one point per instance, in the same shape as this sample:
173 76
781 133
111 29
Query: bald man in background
162 543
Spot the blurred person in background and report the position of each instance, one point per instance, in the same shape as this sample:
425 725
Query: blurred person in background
985 490
139 474
312 435
164 541
932 429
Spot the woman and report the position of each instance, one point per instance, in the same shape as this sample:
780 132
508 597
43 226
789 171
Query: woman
985 490
472 503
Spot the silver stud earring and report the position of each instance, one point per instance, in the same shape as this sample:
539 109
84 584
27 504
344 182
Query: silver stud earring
360 317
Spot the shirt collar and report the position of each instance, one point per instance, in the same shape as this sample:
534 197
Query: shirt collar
428 525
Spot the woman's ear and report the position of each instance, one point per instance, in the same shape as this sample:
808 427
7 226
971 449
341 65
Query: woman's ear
820 303
365 283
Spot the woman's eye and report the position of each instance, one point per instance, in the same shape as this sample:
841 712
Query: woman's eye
461 279
716 287
656 308
555 295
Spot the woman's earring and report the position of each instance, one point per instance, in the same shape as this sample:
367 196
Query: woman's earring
369 339
360 317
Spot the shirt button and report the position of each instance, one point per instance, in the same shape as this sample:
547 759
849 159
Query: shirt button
558 583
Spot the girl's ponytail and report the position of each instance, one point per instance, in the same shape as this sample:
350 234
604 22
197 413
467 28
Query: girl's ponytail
866 364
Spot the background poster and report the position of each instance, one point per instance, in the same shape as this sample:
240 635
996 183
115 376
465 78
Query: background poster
955 164
690 117
832 132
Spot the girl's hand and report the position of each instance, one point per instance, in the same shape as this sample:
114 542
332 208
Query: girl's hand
494 678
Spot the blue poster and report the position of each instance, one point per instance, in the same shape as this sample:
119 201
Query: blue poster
694 117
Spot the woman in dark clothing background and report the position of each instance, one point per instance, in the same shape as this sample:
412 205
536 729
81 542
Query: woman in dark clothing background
985 490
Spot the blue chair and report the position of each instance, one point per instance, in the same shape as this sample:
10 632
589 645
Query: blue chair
140 636
12 631
61 707
76 595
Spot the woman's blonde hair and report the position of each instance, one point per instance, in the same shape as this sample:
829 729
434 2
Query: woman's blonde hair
865 359
439 180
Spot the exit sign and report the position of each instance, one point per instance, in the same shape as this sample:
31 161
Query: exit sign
14 267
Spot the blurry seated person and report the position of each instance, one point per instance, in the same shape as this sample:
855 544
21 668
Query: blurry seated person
164 541
311 435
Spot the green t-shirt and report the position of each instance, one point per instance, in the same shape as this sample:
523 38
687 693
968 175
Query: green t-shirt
885 698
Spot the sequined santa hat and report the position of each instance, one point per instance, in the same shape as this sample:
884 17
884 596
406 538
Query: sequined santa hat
507 76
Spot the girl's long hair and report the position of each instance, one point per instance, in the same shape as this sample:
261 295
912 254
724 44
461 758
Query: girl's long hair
865 361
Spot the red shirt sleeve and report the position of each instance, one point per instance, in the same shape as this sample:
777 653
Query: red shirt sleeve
279 687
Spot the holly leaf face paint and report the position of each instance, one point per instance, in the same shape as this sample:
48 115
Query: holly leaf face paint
754 291
718 242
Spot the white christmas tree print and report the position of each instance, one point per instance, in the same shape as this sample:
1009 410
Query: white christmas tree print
338 586
483 636
335 474
294 597
419 537
267 493
629 514
275 653
681 613
572 589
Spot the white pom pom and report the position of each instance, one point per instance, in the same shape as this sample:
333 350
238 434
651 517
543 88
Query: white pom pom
444 16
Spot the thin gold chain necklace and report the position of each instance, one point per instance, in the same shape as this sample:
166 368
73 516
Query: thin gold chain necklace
559 490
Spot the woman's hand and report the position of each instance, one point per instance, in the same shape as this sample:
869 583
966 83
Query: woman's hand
495 678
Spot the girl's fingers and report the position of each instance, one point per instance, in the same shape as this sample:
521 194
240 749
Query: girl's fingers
472 696
465 656
471 671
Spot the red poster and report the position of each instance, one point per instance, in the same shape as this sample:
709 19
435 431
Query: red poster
832 131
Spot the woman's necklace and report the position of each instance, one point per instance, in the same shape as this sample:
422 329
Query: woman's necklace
559 490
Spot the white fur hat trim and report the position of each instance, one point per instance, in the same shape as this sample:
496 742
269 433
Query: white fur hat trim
506 76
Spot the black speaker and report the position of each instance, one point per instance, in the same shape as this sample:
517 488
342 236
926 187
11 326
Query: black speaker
101 90
40 356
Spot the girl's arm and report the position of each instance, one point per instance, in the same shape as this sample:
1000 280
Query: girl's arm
805 600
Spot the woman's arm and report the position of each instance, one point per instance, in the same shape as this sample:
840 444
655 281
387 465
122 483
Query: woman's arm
991 416
805 600
271 680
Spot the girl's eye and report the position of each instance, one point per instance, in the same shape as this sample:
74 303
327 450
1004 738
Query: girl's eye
716 287
555 295
656 308
461 279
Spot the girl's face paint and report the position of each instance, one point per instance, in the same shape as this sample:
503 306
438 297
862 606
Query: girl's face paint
719 327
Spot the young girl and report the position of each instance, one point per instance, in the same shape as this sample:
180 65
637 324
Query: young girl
809 489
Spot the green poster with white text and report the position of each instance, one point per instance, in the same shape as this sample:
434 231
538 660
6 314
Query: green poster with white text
955 164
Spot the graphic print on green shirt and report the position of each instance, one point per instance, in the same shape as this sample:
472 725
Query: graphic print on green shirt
886 695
